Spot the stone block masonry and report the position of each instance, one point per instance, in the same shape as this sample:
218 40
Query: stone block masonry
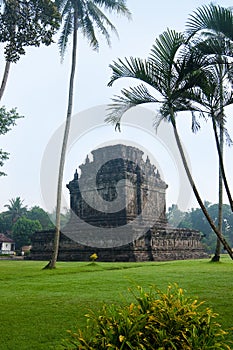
118 189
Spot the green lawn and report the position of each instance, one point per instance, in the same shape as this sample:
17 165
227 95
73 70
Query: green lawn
38 306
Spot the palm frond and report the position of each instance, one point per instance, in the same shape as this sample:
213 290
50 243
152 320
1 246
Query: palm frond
132 68
228 138
220 120
167 56
165 49
65 33
118 6
101 21
190 70
211 18
163 114
195 123
61 4
227 98
130 98
159 117
86 26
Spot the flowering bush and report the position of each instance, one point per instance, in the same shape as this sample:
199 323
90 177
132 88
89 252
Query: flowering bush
93 257
156 320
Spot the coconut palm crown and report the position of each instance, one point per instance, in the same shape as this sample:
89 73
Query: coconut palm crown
91 20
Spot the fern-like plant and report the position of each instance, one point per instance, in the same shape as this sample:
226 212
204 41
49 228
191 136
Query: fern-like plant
156 320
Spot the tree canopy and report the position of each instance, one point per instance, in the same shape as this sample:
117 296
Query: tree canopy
27 23
195 219
7 120
23 230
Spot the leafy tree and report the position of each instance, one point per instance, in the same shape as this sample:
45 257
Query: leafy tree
15 209
175 216
23 230
196 220
87 17
172 71
199 223
22 23
25 23
65 216
37 213
7 120
5 223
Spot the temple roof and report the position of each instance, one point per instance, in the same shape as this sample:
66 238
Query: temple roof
128 154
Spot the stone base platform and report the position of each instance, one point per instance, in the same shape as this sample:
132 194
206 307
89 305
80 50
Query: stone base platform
156 245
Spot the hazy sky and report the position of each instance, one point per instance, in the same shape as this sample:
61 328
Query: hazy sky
38 86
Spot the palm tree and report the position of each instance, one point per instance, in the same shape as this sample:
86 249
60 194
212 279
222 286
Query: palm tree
172 71
88 17
213 26
213 97
15 209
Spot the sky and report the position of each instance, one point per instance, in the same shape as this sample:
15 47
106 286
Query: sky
38 87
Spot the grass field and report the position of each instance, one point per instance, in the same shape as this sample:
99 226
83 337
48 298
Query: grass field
38 306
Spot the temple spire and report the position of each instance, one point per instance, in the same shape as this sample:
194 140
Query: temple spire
76 175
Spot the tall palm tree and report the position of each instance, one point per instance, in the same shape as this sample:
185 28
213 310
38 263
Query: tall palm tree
213 97
214 25
86 17
15 209
172 71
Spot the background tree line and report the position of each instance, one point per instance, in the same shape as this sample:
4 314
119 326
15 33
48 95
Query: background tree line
20 222
195 219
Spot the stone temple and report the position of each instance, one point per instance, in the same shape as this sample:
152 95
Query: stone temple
118 210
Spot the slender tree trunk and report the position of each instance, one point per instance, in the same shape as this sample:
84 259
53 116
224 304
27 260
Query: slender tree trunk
219 142
216 256
196 193
4 79
52 263
220 156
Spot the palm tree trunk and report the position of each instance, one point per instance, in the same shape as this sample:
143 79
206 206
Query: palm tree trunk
219 142
4 79
220 156
52 263
216 256
196 193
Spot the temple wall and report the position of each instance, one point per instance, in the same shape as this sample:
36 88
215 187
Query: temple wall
177 244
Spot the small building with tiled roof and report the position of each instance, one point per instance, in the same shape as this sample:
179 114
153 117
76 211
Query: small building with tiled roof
7 245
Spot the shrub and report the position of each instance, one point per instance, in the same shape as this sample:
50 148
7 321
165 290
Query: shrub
93 257
156 320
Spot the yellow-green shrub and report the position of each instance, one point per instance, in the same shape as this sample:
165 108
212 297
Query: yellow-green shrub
156 320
